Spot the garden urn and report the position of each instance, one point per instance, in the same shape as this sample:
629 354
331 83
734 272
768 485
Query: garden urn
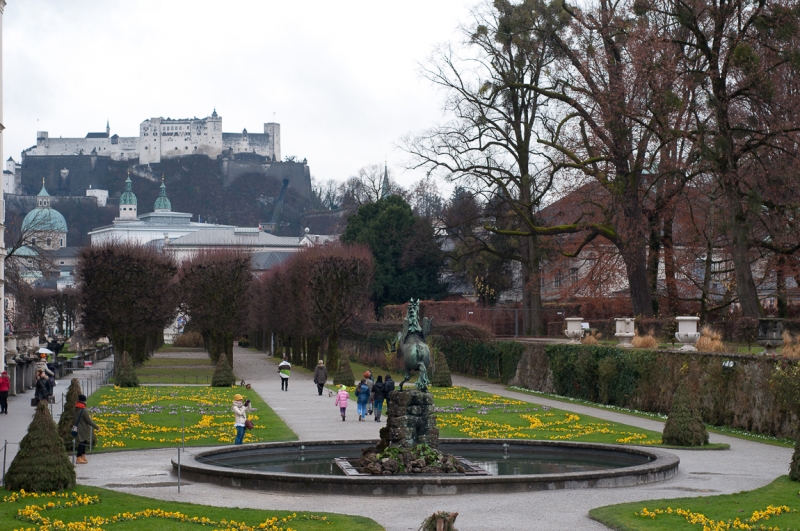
770 334
625 331
574 330
687 332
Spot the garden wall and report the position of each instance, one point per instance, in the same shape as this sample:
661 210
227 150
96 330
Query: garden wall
740 397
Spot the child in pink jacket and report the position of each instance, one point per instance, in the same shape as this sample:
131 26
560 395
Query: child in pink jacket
341 400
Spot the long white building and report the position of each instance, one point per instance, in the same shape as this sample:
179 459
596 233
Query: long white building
164 138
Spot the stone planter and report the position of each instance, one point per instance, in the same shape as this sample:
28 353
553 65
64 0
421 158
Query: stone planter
770 334
687 332
574 331
625 331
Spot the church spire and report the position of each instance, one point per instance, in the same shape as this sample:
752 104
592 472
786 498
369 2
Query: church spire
386 190
108 128
162 203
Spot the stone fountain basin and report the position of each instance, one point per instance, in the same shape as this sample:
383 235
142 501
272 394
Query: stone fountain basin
649 465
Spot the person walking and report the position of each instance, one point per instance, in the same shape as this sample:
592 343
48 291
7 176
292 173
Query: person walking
42 386
320 376
341 400
5 386
378 390
362 397
388 389
285 369
370 382
49 375
240 408
84 423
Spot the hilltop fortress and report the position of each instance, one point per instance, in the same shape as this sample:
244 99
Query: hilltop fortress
165 138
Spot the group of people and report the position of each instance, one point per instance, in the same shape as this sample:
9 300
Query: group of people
370 396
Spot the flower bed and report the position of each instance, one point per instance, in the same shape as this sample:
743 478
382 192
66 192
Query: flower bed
150 417
463 412
92 509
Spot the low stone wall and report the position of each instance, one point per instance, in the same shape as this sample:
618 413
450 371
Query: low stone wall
739 397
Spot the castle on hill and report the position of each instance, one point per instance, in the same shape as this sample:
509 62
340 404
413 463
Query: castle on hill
165 138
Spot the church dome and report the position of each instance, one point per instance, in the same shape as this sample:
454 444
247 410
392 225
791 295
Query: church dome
128 197
162 203
43 218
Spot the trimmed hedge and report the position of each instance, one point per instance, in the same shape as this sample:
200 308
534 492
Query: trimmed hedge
497 360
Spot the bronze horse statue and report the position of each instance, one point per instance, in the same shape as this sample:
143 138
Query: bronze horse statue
412 347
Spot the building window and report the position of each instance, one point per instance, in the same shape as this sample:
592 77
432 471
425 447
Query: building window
573 274
61 242
33 241
49 242
557 279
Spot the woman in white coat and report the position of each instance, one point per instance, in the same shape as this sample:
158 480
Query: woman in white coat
240 410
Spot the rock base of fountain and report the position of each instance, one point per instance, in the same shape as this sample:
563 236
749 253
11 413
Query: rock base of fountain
409 441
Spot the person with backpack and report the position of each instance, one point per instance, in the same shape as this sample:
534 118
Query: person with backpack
81 430
378 390
362 396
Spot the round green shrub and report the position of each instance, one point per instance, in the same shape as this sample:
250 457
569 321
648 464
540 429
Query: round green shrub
684 425
42 463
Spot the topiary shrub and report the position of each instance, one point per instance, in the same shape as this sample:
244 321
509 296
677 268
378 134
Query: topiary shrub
684 425
441 374
66 421
344 374
42 463
125 376
223 374
794 466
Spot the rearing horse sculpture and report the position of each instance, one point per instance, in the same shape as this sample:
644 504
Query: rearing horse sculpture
412 347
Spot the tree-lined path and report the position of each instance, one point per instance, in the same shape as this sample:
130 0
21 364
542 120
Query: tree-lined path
747 465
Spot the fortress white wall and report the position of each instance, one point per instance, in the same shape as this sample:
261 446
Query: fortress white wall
164 138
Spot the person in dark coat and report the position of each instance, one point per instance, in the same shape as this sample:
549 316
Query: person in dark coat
378 389
388 389
83 420
320 376
42 389
362 396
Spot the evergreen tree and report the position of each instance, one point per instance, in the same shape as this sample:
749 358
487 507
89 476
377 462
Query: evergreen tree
126 375
794 466
407 255
223 374
441 372
344 374
42 463
684 425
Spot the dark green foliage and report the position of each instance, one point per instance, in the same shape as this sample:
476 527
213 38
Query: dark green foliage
66 421
496 360
42 463
407 255
125 376
604 374
684 425
794 466
223 374
344 375
441 373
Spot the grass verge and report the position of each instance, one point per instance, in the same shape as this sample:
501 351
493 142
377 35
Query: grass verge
150 417
774 507
105 508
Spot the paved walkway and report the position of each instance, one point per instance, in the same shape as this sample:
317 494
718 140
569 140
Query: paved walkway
747 465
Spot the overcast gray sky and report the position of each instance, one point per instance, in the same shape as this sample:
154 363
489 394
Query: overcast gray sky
341 78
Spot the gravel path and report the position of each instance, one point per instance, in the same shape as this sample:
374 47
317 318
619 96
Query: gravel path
747 465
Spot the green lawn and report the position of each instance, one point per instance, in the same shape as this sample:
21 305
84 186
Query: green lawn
749 507
105 508
178 362
150 417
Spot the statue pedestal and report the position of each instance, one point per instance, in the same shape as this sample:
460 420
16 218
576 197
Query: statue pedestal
409 421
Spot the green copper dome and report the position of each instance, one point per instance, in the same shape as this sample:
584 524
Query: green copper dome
128 197
43 218
162 203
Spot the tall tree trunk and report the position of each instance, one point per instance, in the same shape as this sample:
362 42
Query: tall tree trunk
740 245
631 228
333 352
653 259
706 281
532 318
780 287
669 264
